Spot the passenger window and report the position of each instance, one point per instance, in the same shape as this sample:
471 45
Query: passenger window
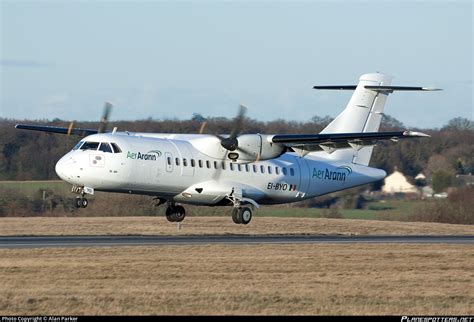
238 167
78 145
116 148
216 165
231 167
105 147
223 165
176 161
208 164
269 170
200 163
90 146
169 160
277 170
292 172
254 168
284 171
193 164
262 169
185 162
247 168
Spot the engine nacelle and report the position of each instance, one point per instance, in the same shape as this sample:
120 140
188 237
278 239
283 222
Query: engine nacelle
258 146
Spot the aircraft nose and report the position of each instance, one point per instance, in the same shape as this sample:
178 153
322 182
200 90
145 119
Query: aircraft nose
62 167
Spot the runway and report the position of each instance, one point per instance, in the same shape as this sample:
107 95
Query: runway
154 240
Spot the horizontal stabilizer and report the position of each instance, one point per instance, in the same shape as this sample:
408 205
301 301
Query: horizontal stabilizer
391 89
337 87
377 88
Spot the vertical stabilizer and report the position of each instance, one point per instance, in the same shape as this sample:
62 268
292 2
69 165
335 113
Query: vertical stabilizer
363 113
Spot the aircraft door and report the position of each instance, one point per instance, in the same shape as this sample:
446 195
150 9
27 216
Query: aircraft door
304 177
169 162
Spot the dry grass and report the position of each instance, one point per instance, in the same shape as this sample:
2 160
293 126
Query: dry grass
219 225
228 279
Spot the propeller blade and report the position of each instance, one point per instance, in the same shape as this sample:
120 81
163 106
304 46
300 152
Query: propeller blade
231 143
238 121
105 117
203 126
69 129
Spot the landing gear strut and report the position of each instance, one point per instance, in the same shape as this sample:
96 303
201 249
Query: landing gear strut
242 215
175 213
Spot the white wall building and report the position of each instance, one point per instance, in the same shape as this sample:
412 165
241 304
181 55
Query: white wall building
397 183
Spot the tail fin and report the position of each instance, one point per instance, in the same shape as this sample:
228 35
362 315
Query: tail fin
364 112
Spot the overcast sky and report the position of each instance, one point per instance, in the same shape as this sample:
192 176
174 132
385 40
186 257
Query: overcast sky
63 59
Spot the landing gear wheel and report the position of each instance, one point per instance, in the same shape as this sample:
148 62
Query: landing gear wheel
180 213
175 213
245 215
170 214
84 202
77 203
235 216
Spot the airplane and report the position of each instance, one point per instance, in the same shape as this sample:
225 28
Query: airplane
243 171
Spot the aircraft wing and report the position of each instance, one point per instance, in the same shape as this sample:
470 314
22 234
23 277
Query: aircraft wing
330 142
54 129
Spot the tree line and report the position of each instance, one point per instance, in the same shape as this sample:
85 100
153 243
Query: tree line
31 155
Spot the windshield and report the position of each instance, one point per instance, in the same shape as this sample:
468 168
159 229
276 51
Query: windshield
78 145
90 146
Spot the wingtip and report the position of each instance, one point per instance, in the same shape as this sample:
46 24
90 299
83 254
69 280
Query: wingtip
431 89
417 134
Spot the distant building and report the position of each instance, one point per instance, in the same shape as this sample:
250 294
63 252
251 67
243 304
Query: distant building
465 179
420 176
397 183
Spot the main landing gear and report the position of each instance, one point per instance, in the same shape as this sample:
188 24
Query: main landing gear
175 213
242 215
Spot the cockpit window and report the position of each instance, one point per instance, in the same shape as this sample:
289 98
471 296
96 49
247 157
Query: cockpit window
116 148
105 147
78 145
90 146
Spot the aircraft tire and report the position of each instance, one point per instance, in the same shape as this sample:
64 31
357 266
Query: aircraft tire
84 202
179 213
170 214
236 216
77 203
245 215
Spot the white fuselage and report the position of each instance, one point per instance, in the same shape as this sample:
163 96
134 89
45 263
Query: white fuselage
188 169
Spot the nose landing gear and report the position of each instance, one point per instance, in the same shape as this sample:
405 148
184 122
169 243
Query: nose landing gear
81 202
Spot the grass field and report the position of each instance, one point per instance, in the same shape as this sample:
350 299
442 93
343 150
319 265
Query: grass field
246 279
219 225
31 187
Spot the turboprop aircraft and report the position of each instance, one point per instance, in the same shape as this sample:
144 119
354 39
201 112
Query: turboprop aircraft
239 170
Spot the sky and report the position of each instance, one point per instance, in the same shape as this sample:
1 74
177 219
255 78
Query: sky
165 60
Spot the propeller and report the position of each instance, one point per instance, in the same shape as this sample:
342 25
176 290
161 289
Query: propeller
105 118
230 143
